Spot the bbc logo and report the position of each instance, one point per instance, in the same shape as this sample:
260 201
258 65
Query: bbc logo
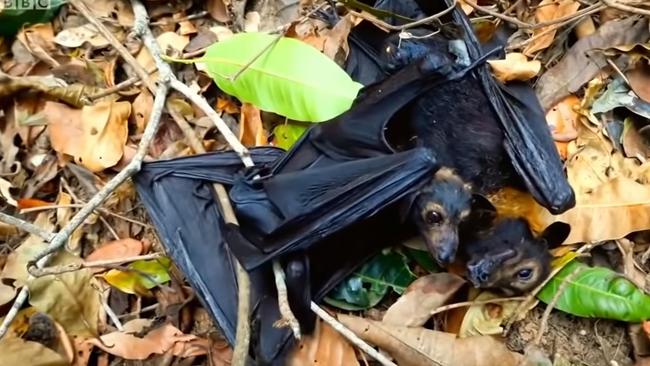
26 4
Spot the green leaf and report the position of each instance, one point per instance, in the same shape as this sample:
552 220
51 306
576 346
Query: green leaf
290 78
287 134
145 276
597 292
423 259
367 287
12 19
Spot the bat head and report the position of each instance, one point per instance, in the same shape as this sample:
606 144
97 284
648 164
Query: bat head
440 207
509 258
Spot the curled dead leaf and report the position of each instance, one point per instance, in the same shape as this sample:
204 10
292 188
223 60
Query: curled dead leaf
486 319
422 297
412 346
251 129
157 341
514 67
77 36
325 346
95 135
116 249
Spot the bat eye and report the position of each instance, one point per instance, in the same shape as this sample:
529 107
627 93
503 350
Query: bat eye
433 217
525 274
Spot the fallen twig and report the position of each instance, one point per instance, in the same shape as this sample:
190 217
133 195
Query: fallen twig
350 336
38 272
373 19
285 310
99 210
551 305
472 303
631 9
126 55
26 226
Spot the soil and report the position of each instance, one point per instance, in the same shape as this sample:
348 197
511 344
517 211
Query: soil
570 340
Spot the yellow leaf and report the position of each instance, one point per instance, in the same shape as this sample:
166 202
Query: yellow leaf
486 319
549 10
515 67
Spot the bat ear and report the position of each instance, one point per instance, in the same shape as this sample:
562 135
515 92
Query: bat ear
555 234
483 212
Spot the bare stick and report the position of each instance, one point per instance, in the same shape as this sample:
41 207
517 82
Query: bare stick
551 305
285 310
100 210
472 303
242 337
373 19
26 226
230 137
350 336
114 89
38 272
631 9
126 55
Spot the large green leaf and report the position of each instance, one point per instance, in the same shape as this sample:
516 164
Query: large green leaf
597 292
290 78
367 287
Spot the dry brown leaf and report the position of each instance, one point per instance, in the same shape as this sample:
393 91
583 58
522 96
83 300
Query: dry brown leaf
325 347
581 63
251 129
38 39
467 9
173 41
157 341
217 10
634 144
421 346
77 36
227 106
337 39
563 119
142 105
549 10
220 353
116 249
112 9
95 135
7 230
16 351
585 28
70 298
421 297
486 319
514 67
16 266
639 79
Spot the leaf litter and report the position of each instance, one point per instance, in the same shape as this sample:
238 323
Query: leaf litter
594 90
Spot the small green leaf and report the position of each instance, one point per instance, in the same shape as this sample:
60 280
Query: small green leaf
287 134
367 287
423 259
597 292
145 276
290 78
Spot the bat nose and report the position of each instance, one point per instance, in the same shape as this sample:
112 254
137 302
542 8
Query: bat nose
445 256
477 273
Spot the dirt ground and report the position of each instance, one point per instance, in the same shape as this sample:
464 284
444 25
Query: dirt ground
570 340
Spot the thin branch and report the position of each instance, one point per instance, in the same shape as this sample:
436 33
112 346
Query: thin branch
551 305
242 337
39 272
198 15
350 336
382 24
631 9
126 55
472 303
99 210
134 80
26 226
285 310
